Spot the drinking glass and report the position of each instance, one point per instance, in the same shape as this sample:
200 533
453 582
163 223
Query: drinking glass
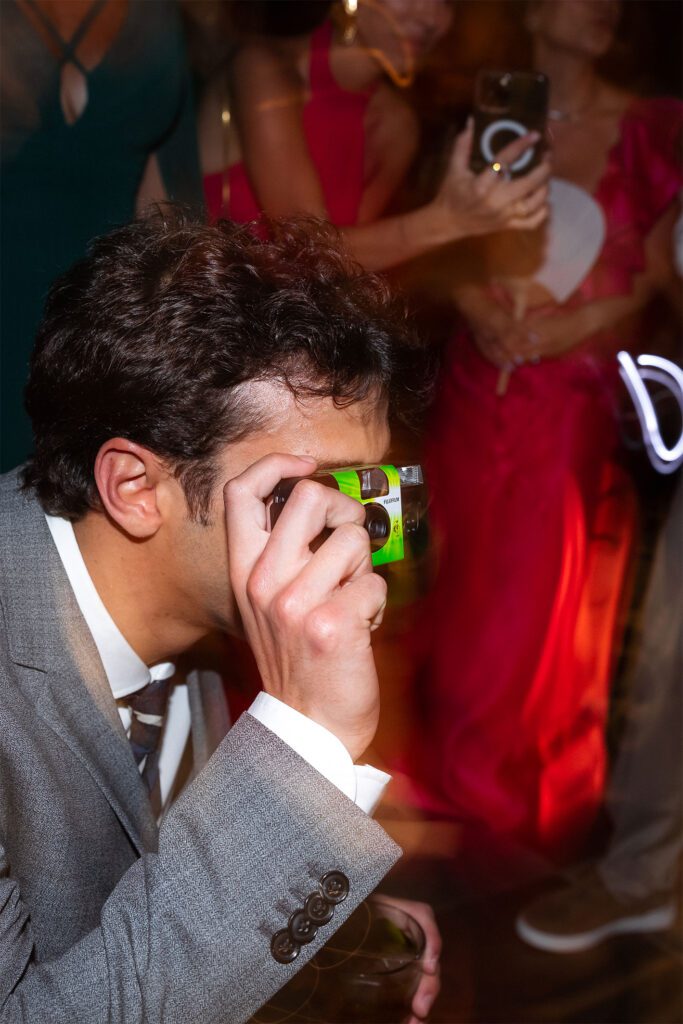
366 974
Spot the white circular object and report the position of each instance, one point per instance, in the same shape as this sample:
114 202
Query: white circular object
505 125
574 237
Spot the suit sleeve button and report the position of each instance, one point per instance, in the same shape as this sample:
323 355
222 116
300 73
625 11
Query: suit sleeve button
334 886
301 927
318 909
283 947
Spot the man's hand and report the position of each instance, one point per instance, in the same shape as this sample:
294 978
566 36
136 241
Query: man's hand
430 983
307 615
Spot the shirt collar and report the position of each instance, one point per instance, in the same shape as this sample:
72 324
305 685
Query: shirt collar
125 670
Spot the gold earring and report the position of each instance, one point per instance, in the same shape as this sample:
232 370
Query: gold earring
350 21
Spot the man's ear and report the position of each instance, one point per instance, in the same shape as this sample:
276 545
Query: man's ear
129 478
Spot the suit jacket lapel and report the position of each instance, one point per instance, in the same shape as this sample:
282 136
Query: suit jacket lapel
61 670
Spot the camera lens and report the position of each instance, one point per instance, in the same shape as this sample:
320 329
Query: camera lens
377 524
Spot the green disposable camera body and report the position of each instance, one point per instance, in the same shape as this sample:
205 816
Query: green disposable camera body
394 498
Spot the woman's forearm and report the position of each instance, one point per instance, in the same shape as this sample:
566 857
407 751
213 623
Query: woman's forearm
394 240
604 314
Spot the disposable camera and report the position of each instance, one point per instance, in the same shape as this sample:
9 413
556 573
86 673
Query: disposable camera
395 501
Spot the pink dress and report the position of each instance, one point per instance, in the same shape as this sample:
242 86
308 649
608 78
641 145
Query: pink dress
334 127
537 519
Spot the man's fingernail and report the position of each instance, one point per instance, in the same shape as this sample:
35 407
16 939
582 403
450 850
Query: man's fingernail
431 965
306 458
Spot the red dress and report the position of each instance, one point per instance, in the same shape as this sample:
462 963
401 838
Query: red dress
537 520
334 127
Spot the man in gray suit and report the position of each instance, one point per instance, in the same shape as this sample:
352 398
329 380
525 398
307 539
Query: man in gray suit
174 358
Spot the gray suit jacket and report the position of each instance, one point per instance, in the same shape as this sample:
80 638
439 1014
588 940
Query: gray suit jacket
104 918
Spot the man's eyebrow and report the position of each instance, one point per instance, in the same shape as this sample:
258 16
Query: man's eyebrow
351 465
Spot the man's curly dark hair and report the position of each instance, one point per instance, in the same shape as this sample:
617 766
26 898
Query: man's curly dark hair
155 333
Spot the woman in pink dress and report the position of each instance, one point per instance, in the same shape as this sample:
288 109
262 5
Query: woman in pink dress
316 124
535 513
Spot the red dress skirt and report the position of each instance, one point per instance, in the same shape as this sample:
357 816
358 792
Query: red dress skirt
536 519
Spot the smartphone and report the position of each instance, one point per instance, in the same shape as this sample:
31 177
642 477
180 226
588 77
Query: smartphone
507 105
395 503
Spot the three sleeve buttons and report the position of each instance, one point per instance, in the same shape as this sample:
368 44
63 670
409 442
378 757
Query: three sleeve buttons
318 910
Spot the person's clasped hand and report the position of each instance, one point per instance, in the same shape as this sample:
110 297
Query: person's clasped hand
497 335
489 201
308 616
550 336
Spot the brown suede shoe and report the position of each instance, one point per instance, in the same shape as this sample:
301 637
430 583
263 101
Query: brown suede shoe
583 913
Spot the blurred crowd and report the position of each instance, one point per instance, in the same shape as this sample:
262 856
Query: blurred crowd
532 661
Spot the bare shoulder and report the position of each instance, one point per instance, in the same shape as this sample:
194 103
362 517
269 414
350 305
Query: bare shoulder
262 69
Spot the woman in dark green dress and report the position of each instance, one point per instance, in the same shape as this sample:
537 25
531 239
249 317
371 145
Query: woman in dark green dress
97 120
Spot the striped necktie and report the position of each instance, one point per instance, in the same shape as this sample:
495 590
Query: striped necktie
148 707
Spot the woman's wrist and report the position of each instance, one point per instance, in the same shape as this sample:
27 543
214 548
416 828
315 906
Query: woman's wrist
586 321
441 224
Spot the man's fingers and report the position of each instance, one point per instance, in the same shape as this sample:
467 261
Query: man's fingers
344 556
311 508
362 601
430 982
424 915
426 993
245 494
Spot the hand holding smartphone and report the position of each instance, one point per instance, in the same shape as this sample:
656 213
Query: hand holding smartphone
508 105
497 177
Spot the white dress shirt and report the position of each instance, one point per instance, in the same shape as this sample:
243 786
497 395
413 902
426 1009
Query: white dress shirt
126 673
